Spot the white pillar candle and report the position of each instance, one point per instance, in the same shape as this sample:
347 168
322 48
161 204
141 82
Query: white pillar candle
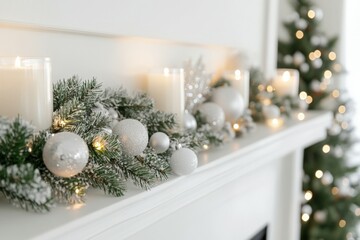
286 82
166 87
26 90
240 80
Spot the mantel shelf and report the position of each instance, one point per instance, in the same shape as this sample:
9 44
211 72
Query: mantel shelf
125 216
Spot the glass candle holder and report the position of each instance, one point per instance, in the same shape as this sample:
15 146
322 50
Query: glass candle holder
286 82
166 87
26 90
240 80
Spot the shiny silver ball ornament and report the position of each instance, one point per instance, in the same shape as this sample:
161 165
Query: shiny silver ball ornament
160 142
65 154
230 101
213 114
183 161
189 122
271 111
133 136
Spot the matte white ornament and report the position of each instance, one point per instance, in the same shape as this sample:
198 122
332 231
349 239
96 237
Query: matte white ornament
113 113
299 58
183 161
306 209
133 136
327 178
189 122
288 59
301 24
329 103
315 40
271 111
304 67
317 63
230 101
315 85
320 216
160 142
213 114
65 154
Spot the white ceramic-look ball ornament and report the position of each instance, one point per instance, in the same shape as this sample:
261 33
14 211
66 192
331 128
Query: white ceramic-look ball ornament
133 136
328 103
301 24
230 101
271 111
288 59
320 216
213 114
160 142
304 67
65 154
299 58
183 161
317 63
113 113
189 122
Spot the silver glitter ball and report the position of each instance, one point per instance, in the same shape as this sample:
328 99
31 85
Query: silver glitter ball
183 161
160 142
65 154
133 136
189 122
230 101
213 114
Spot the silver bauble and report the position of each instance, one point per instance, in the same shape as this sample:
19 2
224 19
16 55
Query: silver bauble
317 63
65 154
334 129
299 58
328 103
319 14
189 122
230 101
327 178
271 111
315 85
288 59
320 216
301 24
315 40
213 114
160 142
306 209
133 136
183 161
304 67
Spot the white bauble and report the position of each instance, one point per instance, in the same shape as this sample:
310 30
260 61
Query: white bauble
299 58
213 114
113 113
306 209
65 154
315 85
301 24
183 161
230 101
160 142
320 216
327 178
319 14
323 40
189 122
315 40
317 63
271 111
334 129
328 103
304 67
288 59
133 136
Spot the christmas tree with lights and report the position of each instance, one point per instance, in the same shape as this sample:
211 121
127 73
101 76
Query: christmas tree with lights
331 204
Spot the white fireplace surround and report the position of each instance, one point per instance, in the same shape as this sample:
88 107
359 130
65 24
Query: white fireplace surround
237 189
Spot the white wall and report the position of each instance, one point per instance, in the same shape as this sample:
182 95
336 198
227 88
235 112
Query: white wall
119 41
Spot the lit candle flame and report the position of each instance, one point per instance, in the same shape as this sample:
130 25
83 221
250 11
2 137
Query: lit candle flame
17 62
237 74
286 76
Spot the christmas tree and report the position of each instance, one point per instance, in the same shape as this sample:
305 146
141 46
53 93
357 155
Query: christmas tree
331 205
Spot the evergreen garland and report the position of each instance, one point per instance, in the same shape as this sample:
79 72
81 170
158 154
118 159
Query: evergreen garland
331 207
26 182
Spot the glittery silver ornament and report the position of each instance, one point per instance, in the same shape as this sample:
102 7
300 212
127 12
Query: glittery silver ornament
183 161
271 111
65 154
230 101
160 142
213 114
189 121
133 136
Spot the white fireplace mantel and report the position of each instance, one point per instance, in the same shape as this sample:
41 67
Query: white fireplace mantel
237 189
